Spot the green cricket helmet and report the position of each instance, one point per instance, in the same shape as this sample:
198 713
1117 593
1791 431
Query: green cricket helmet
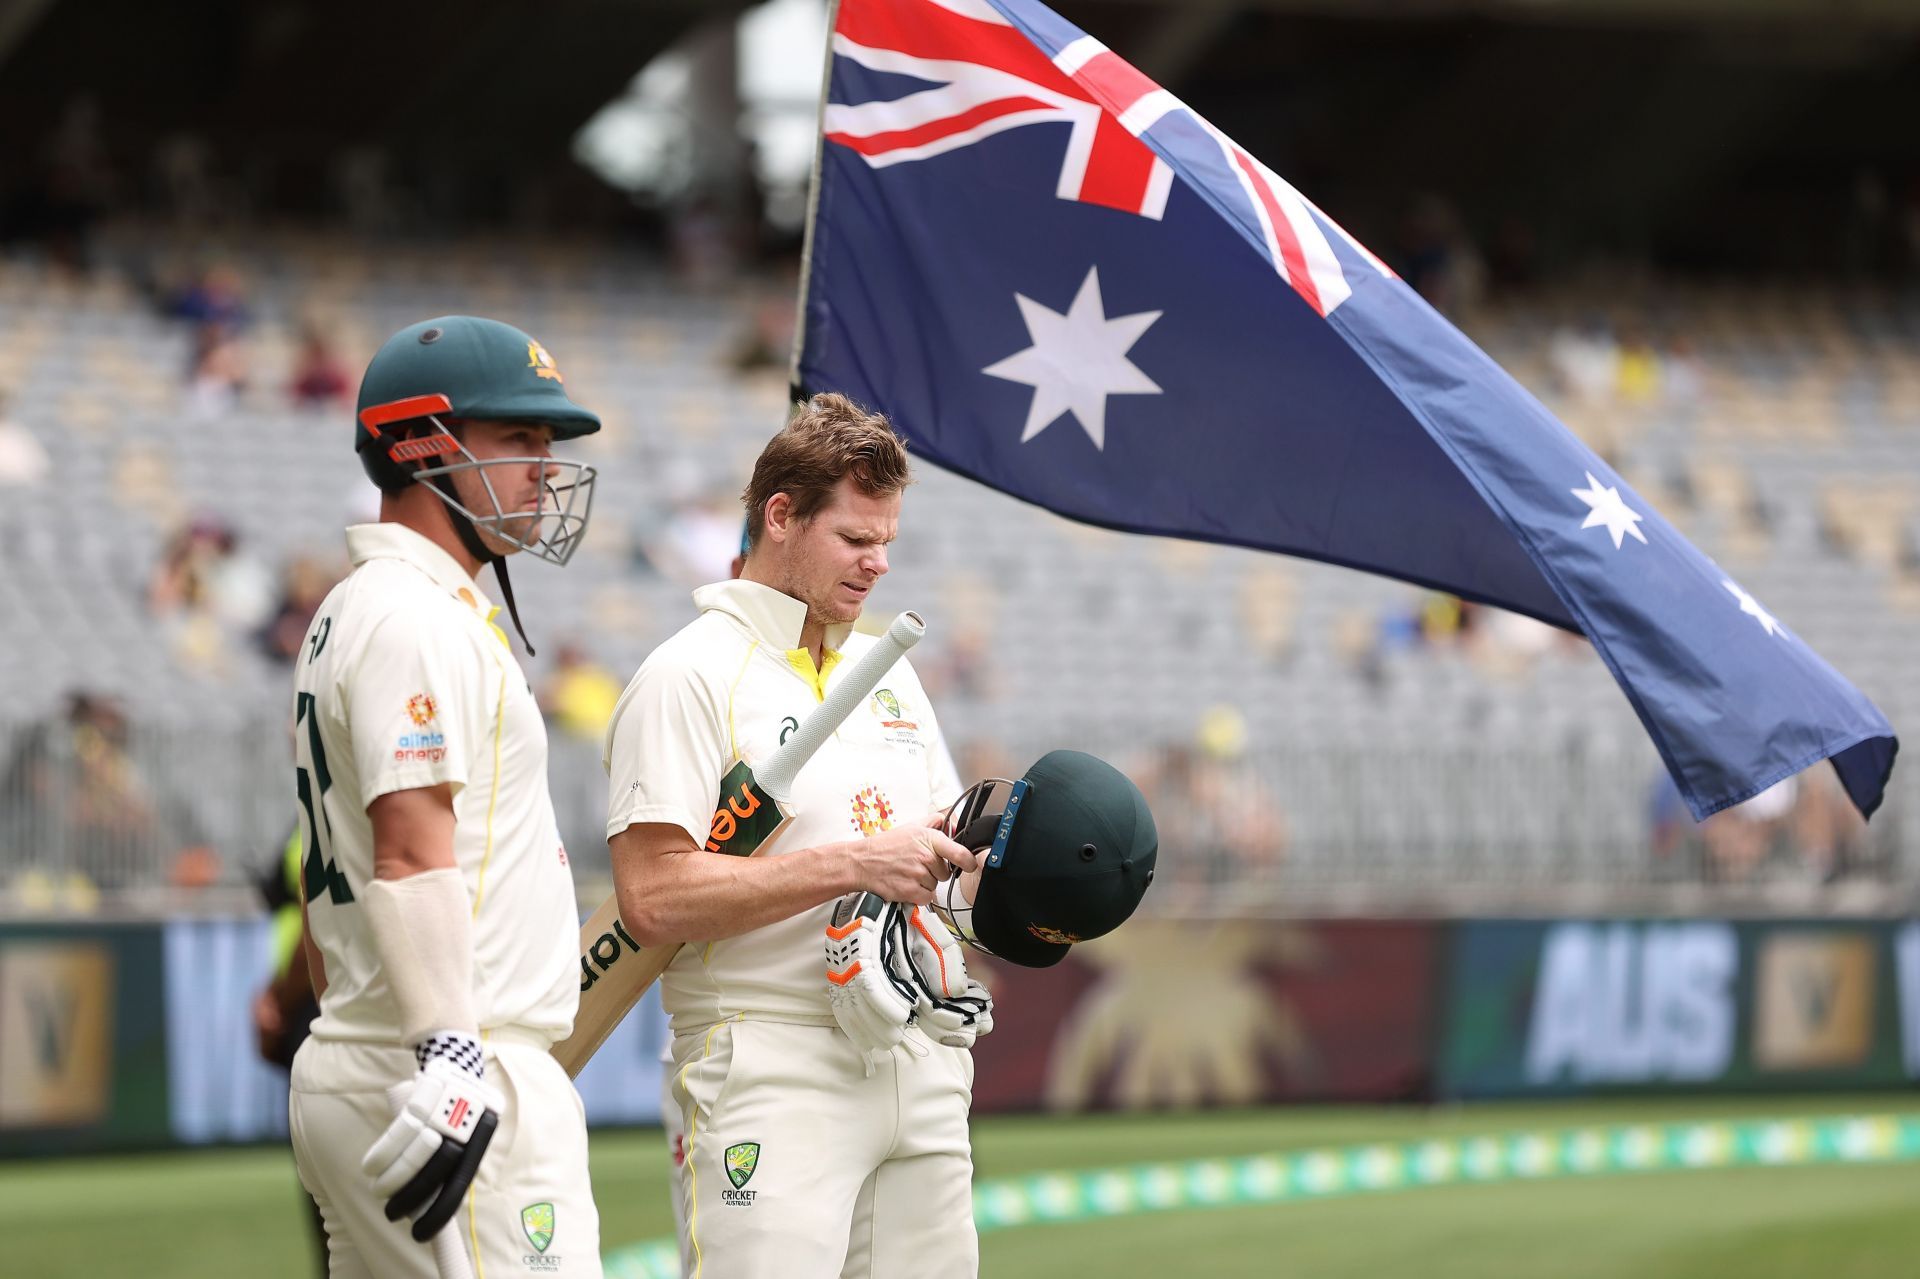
458 368
1068 851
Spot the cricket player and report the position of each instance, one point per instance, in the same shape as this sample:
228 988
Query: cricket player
437 891
804 1157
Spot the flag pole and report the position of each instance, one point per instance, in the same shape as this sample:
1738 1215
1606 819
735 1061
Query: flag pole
794 390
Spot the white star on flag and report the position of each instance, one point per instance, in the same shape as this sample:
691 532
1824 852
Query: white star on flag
1751 606
1607 507
1076 361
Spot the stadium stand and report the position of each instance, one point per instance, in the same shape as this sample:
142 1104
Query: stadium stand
1393 747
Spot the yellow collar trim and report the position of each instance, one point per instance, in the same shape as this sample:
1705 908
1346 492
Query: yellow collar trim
802 662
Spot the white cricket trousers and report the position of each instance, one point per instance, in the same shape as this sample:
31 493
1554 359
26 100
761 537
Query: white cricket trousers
801 1164
530 1210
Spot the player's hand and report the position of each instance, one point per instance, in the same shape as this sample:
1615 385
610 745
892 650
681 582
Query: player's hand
907 863
425 1160
269 1025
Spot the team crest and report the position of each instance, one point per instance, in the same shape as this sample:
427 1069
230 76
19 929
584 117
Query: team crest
421 709
741 1161
541 363
871 812
1058 937
537 1221
888 702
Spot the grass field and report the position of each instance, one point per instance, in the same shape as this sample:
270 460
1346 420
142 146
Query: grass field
235 1213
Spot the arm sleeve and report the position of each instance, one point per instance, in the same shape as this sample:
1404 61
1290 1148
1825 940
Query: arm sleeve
417 704
666 751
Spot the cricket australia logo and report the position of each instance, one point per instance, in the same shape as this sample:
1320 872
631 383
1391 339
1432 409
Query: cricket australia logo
537 1221
741 1160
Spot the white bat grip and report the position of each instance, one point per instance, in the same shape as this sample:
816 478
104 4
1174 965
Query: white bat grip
449 1254
775 777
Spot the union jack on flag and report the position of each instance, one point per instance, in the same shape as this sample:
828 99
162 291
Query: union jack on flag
988 76
1058 279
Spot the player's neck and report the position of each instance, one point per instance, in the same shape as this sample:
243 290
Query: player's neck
415 508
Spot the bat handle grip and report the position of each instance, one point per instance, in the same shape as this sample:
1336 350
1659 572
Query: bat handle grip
776 775
449 1254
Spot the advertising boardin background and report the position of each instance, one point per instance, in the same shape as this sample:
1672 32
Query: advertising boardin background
1190 1013
83 1061
1582 1006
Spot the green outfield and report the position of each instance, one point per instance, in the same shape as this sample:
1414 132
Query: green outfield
234 1213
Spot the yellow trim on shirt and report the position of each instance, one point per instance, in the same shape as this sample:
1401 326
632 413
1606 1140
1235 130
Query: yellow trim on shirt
493 796
733 732
802 662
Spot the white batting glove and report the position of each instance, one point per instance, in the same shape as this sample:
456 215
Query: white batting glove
891 966
425 1160
949 1004
871 1009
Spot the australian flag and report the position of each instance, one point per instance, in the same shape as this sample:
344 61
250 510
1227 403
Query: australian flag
1059 280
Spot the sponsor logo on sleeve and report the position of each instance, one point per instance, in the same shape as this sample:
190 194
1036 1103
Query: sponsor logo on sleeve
427 745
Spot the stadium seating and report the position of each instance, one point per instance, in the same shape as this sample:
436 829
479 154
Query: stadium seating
1401 763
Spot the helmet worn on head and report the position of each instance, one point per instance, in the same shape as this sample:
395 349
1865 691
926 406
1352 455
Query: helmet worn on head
429 378
455 367
1069 852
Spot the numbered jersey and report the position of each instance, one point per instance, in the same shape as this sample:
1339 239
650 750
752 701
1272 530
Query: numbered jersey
405 682
731 687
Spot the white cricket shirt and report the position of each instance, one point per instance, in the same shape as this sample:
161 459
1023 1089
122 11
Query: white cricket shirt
726 688
405 682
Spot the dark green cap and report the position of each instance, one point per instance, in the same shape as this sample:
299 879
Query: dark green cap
484 369
1072 858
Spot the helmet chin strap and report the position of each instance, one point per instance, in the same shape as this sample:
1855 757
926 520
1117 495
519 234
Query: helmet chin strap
476 547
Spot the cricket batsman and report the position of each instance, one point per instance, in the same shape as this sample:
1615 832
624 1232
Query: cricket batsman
437 891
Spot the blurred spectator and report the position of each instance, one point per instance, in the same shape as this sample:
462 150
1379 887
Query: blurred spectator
766 343
1585 360
1437 258
213 297
23 461
76 801
961 668
1636 370
320 379
202 572
302 590
218 373
700 536
1684 376
1232 831
580 694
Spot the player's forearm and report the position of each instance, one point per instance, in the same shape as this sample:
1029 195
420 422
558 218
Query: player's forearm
697 896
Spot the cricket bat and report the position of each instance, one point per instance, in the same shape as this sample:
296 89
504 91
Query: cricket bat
615 970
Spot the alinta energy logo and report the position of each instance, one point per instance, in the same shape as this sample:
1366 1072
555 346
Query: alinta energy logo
420 747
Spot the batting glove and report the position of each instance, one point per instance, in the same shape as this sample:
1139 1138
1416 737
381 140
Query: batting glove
430 1152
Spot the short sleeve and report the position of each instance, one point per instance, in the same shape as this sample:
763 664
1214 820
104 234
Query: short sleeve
666 751
416 704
